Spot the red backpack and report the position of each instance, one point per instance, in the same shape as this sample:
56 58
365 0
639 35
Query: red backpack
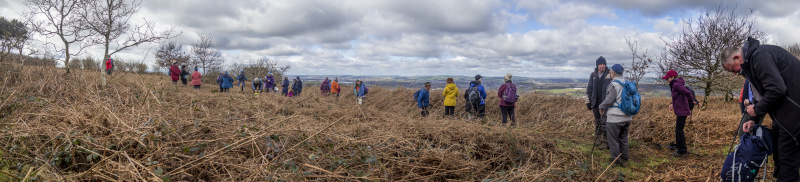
510 94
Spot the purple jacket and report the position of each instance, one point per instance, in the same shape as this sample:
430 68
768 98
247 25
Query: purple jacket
680 97
269 82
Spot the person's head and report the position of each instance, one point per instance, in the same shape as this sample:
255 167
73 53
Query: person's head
617 70
671 75
337 79
601 63
449 80
478 78
270 73
732 59
241 72
507 78
174 62
298 78
286 78
226 72
183 66
326 78
427 85
195 68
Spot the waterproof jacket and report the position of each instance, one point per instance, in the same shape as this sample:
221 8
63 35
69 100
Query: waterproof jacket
269 82
773 73
423 99
503 91
242 78
596 89
175 72
297 87
109 64
481 90
359 91
450 94
335 87
322 86
681 96
196 78
285 86
184 73
227 81
610 103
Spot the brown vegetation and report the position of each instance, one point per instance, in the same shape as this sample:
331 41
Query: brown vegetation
66 127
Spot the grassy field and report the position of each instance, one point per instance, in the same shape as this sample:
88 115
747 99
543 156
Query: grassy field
67 127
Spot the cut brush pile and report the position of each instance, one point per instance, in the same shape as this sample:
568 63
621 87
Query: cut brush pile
66 127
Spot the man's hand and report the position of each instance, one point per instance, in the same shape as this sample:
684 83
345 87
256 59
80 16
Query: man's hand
751 110
589 106
746 102
747 126
602 112
670 107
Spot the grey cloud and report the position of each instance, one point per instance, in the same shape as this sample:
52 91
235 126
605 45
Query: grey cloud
776 8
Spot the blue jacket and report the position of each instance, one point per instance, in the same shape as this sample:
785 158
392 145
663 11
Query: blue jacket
242 78
480 89
423 99
285 86
227 81
360 91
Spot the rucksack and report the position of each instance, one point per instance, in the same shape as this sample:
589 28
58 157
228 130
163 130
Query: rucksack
219 78
366 90
473 95
691 102
744 162
326 86
510 94
630 100
416 95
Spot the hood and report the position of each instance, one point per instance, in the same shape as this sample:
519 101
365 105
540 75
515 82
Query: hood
677 80
474 83
450 86
269 76
749 47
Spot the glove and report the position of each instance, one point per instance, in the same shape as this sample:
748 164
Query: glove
589 106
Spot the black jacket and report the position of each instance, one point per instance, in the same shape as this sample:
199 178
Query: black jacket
297 87
775 73
596 91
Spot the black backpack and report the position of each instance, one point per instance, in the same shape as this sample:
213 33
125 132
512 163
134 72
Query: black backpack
691 102
474 95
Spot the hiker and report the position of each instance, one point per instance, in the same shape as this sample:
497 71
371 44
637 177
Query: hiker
360 91
450 94
476 97
297 87
285 86
241 79
290 94
595 93
335 87
746 99
423 99
325 88
681 96
508 99
184 74
269 83
109 65
226 82
219 81
775 79
617 122
256 86
196 79
174 72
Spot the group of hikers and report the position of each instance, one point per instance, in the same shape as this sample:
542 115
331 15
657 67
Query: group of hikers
475 97
772 86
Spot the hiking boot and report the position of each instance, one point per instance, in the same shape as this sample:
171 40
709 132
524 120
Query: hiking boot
676 154
622 163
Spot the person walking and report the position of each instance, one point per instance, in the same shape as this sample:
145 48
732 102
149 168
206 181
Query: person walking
681 96
241 79
595 93
423 99
335 87
219 81
775 79
360 91
450 94
184 75
325 88
226 83
269 82
196 79
109 65
174 72
476 97
508 100
297 87
618 122
285 86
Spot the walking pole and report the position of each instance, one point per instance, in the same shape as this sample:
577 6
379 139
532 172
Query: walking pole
736 133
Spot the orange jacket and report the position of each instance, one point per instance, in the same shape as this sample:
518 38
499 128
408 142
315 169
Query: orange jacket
335 87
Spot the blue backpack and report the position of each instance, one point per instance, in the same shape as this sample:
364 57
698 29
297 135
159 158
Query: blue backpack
631 101
744 162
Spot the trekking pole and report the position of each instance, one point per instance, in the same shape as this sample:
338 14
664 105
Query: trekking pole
596 135
736 133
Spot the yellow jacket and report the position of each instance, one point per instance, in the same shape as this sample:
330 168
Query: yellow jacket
450 94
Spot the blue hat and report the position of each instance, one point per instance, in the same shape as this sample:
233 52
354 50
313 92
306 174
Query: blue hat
226 72
270 72
600 60
241 71
195 68
298 77
618 68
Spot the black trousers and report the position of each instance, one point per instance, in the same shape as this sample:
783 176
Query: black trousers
680 136
449 110
184 81
508 112
424 111
196 86
600 125
478 110
787 155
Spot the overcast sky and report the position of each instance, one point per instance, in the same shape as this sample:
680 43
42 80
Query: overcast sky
536 38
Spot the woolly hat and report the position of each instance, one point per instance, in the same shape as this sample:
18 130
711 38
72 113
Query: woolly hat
173 61
226 72
618 69
478 77
507 77
298 77
270 72
449 80
195 68
670 74
600 60
242 72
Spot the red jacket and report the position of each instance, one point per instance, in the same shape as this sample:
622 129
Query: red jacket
175 72
502 91
109 65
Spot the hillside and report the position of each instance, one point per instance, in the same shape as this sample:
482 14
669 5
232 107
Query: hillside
66 127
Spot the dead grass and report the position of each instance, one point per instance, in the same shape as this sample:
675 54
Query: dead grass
66 127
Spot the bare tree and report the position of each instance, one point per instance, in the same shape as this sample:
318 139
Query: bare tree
640 61
694 53
60 20
108 19
204 55
260 68
171 51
